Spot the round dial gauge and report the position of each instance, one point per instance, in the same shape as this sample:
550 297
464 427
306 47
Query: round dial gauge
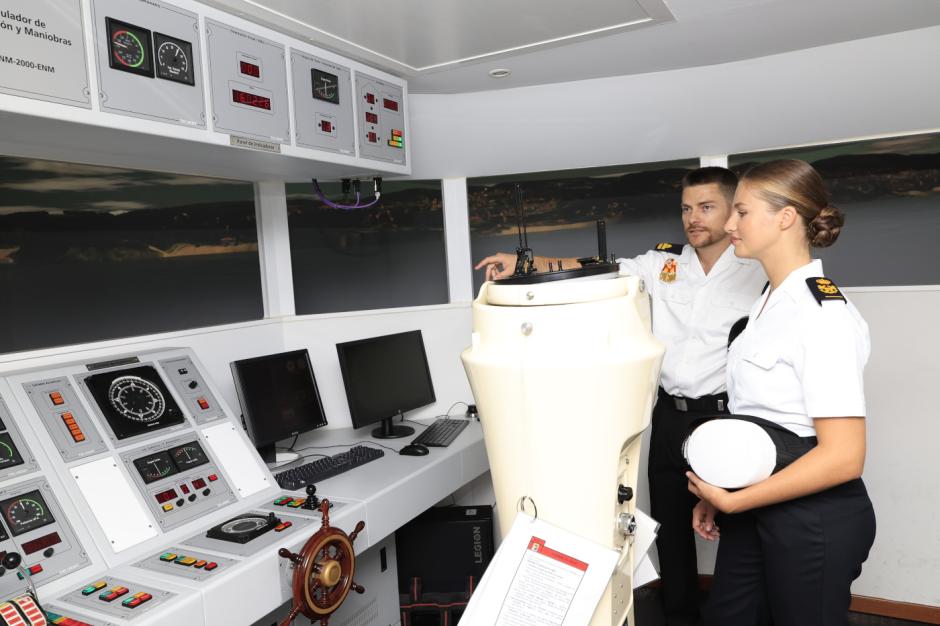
24 512
189 455
156 468
127 48
136 399
172 57
243 525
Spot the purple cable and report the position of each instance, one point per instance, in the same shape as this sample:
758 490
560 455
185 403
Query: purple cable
345 207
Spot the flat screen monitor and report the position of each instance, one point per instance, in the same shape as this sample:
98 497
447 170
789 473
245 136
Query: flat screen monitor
279 398
384 377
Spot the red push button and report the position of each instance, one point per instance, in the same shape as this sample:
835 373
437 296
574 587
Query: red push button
35 569
283 526
213 478
211 565
203 403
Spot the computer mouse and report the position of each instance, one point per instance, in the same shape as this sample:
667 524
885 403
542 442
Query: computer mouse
414 449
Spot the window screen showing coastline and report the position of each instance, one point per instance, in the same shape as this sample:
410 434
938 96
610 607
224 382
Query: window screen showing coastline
90 253
889 192
388 255
639 203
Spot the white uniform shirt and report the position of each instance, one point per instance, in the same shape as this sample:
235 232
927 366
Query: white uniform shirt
693 313
798 360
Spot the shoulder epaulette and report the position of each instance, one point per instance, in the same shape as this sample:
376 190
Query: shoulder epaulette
672 248
824 289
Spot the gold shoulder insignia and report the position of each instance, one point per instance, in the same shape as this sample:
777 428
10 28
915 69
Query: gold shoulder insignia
672 248
824 289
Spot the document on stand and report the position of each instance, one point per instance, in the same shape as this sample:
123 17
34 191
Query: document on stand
541 575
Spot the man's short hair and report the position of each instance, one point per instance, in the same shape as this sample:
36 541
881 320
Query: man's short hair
726 180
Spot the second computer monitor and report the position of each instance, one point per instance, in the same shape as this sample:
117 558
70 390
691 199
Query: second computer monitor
384 377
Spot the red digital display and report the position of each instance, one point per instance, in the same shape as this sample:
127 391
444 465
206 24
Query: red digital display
166 496
41 543
184 489
199 483
251 100
327 127
372 118
391 105
250 69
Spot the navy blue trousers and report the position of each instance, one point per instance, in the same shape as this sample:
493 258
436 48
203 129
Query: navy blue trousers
798 558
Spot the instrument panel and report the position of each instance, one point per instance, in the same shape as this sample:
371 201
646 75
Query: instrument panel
133 401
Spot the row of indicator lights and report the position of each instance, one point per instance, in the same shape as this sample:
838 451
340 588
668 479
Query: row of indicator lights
397 140
57 399
73 427
33 570
62 620
291 502
186 561
197 483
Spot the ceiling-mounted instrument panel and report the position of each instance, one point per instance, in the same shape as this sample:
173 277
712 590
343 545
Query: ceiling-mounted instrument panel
149 62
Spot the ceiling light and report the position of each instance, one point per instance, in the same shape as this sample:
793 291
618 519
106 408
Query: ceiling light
500 72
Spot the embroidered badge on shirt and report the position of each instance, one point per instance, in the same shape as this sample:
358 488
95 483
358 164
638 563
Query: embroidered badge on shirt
824 289
668 273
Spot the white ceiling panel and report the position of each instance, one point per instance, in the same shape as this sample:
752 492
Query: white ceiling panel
448 46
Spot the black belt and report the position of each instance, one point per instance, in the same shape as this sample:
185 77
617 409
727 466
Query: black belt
717 402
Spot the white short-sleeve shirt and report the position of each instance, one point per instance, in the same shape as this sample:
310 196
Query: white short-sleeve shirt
799 359
694 311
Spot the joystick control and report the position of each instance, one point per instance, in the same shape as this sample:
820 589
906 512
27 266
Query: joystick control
313 502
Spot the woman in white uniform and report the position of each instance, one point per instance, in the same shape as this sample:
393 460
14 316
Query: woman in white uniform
795 541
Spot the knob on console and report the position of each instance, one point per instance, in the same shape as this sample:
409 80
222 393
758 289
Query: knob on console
12 560
312 502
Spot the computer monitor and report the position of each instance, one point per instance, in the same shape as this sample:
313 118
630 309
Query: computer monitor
384 377
279 398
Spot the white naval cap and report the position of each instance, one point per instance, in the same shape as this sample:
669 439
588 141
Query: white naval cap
730 453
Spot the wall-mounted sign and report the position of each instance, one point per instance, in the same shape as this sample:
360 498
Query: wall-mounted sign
42 51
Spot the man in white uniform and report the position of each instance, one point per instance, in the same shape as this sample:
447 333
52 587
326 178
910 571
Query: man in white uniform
698 292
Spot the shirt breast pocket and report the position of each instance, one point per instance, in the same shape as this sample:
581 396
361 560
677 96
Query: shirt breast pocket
674 294
736 301
763 359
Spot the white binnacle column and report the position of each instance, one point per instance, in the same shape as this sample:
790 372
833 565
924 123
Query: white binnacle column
564 375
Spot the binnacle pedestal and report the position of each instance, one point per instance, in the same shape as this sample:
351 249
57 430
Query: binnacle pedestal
564 374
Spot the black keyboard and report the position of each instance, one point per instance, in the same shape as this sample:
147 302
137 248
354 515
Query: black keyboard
327 467
441 433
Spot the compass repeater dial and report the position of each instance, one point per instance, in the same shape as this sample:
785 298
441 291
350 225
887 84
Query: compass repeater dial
136 399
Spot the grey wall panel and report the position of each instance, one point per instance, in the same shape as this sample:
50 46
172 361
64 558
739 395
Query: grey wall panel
248 84
149 61
381 111
323 110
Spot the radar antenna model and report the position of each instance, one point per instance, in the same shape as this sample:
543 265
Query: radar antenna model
323 571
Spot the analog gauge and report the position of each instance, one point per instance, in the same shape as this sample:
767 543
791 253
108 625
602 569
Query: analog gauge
174 59
136 399
127 48
9 455
130 48
153 467
26 512
188 455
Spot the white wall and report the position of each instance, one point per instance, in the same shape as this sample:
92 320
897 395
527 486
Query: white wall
874 86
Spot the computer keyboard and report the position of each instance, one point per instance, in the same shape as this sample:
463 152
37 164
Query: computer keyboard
327 467
441 433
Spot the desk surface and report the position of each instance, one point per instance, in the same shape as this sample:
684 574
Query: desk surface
396 488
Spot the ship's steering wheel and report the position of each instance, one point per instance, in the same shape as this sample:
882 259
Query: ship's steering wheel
323 571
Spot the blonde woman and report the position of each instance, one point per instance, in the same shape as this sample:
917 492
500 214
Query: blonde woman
795 541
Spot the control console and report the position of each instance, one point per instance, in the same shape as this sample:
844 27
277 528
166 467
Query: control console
179 480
